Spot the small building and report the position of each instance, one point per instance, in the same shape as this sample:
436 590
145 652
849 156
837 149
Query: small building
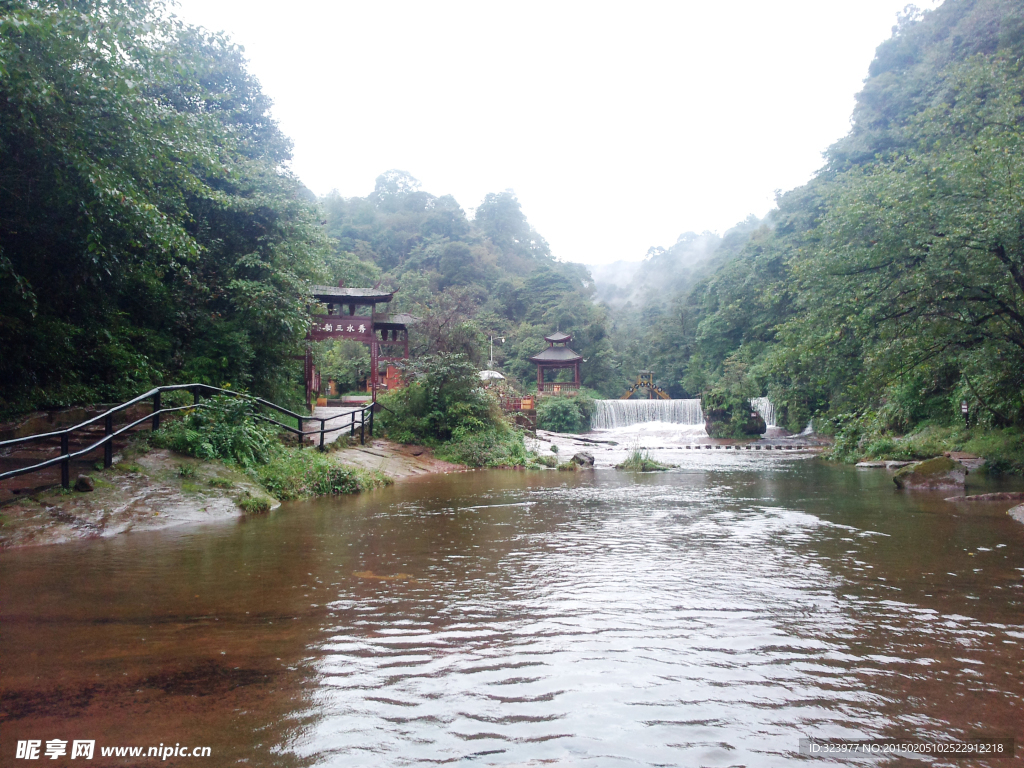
557 356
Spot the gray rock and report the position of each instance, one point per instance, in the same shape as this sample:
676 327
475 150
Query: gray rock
940 472
870 464
1017 513
898 464
583 458
84 483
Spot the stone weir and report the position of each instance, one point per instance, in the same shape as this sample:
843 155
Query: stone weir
614 414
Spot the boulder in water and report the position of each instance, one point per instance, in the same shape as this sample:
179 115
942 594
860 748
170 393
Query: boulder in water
1017 513
940 472
583 458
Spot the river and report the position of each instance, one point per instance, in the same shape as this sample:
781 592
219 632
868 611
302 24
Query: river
714 615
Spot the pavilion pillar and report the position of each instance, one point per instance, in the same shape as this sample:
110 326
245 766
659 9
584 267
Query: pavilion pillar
576 368
540 379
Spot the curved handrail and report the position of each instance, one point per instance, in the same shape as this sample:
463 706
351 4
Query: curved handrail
106 441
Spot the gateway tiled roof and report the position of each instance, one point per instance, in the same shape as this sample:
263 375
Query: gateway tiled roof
333 294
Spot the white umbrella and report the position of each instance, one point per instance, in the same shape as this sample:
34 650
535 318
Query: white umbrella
488 375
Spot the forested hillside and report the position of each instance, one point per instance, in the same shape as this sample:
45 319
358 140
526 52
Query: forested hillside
149 228
468 279
891 287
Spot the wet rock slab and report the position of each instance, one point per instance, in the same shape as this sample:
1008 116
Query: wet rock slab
146 494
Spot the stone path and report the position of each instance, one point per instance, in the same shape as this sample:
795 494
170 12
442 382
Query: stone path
326 412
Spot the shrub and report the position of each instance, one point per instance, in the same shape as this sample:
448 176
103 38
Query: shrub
443 399
563 414
300 474
223 427
492 448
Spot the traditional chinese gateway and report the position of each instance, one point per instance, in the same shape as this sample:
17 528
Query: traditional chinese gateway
352 314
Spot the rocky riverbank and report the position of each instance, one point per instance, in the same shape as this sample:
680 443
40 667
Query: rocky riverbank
160 489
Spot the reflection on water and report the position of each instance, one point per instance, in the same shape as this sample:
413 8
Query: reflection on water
711 616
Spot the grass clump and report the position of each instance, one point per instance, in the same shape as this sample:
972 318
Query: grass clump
639 460
223 427
545 461
220 482
252 505
302 474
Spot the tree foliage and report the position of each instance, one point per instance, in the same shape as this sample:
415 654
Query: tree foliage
150 229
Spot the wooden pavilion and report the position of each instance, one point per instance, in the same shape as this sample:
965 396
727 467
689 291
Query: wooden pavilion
352 314
557 356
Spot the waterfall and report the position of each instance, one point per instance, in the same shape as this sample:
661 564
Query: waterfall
612 414
766 408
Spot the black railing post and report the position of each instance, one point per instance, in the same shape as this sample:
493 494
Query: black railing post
302 437
362 427
322 434
352 431
371 421
108 447
196 397
156 410
65 466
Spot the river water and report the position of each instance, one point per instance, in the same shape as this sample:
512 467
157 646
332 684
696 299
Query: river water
714 615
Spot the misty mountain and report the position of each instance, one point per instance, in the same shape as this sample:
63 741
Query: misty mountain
664 271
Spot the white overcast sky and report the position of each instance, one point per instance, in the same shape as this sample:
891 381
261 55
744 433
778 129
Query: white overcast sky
618 125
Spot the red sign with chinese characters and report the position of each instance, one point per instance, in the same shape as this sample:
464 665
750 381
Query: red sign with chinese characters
342 327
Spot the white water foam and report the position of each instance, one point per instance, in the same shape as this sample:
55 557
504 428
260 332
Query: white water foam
766 408
616 414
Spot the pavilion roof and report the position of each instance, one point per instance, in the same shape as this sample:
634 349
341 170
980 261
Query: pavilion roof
556 355
558 337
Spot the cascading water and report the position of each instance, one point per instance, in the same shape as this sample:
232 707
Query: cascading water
766 408
613 414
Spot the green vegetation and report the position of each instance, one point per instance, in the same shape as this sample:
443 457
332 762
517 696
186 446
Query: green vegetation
639 460
253 505
223 427
866 439
563 413
152 231
498 447
444 406
300 474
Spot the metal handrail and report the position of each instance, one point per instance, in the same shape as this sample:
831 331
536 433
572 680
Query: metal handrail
65 457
